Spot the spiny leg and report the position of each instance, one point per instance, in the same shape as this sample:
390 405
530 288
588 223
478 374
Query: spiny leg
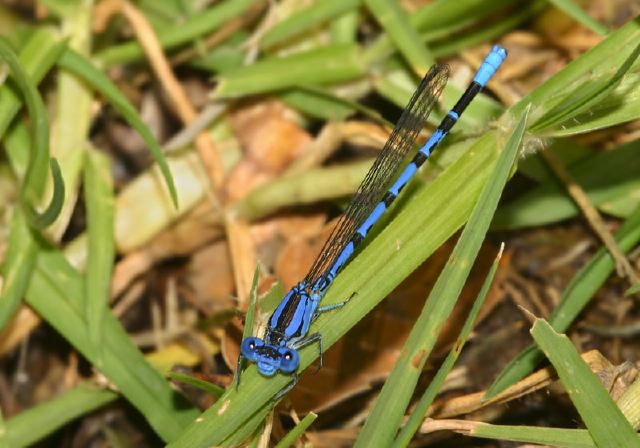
288 387
238 371
310 340
333 306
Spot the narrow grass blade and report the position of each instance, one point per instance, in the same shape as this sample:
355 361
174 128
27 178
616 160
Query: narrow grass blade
325 65
249 319
605 177
635 289
196 26
253 302
596 63
210 388
574 298
36 176
556 437
81 67
306 19
38 54
417 416
398 27
384 419
573 10
317 104
98 199
56 292
297 431
28 427
583 97
605 421
344 29
17 267
440 18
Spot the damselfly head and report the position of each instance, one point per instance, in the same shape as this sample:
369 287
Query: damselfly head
269 359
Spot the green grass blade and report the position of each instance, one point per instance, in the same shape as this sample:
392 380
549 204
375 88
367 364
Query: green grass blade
53 210
324 65
305 188
440 18
38 54
297 431
36 175
317 104
556 437
613 51
398 27
307 18
26 428
344 29
17 267
603 418
245 430
620 106
81 67
635 289
385 418
56 292
196 26
249 319
583 97
417 416
574 298
253 302
210 388
606 177
98 199
574 11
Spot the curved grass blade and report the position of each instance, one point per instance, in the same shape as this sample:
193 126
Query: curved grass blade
38 54
384 420
34 182
56 292
81 67
28 427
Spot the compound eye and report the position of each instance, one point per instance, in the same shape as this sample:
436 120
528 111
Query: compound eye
249 346
289 360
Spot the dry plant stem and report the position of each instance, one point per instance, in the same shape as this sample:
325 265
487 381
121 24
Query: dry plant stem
462 426
623 267
243 255
187 134
265 435
536 381
160 66
222 34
